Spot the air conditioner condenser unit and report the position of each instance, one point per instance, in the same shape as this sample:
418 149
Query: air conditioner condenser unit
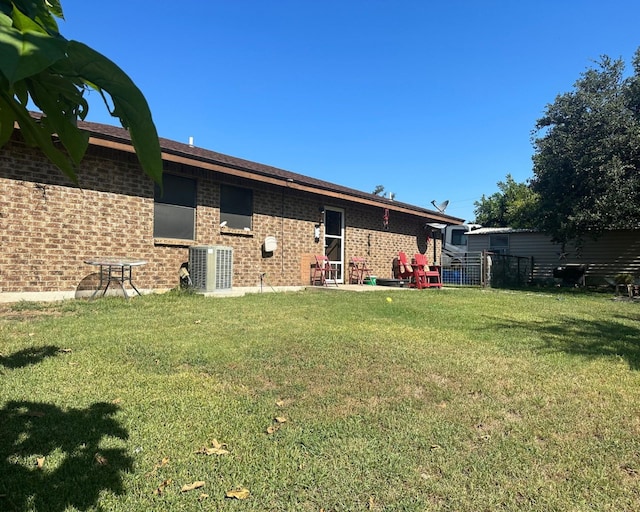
211 267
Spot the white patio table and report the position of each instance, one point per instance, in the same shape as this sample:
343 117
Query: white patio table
115 270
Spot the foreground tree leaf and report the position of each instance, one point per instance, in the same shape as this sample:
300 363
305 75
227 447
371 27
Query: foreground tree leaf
38 64
130 106
23 54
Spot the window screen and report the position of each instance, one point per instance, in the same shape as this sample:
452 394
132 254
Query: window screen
236 207
333 223
175 208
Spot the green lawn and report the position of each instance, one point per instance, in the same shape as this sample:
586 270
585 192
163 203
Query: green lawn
459 399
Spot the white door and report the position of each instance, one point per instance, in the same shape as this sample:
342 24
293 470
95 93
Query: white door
334 239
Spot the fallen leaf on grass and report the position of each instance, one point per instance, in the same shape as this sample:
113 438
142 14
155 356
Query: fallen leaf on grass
101 460
216 444
40 462
65 350
281 403
116 401
278 421
160 464
193 486
160 489
436 447
216 449
371 503
212 451
203 497
238 494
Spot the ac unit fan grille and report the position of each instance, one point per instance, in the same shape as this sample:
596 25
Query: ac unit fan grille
224 269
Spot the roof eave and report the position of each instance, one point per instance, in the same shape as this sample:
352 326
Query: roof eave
175 154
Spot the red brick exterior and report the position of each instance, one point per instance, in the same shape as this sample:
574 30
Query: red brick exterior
49 226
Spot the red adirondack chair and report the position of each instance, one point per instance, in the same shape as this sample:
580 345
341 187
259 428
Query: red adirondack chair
430 276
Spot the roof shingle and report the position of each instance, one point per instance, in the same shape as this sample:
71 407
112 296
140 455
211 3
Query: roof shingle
196 153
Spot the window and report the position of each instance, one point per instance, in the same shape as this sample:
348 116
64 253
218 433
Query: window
236 207
458 237
174 214
499 243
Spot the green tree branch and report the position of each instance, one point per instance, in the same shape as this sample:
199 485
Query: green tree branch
37 64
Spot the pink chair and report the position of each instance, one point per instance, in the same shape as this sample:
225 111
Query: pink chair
358 270
323 271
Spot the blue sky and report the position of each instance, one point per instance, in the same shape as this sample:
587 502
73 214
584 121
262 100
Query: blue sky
432 100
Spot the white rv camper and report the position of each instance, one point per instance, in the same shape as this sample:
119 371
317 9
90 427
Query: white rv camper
454 243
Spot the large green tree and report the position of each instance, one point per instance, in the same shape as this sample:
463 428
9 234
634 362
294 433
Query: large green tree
587 154
39 66
514 205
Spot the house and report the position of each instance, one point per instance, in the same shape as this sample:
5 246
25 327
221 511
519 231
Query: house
51 226
614 252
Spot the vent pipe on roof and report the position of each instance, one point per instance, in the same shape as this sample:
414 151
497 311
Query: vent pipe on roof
190 142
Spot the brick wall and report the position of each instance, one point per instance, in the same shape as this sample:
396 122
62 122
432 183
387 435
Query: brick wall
49 226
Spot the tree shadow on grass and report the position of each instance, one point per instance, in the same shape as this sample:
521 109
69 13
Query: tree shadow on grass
587 338
28 356
79 447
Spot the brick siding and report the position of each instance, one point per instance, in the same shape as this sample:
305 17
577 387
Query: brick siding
50 225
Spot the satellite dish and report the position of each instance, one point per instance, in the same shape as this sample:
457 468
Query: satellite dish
440 207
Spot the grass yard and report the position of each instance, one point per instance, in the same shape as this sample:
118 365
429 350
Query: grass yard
457 400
